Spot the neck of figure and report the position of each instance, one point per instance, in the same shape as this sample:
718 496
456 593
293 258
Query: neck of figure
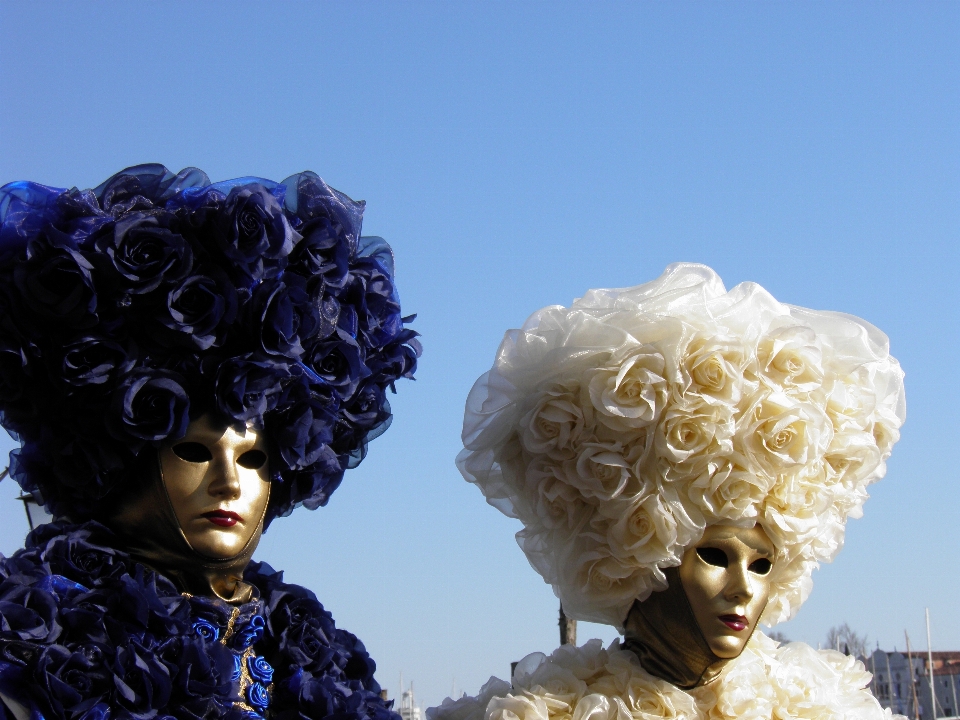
664 635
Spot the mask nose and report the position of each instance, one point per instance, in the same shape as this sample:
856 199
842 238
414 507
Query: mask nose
739 586
225 479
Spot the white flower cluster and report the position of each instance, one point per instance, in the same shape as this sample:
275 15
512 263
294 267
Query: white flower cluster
593 683
617 429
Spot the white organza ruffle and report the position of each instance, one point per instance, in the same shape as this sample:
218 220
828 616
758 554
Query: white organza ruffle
593 683
617 429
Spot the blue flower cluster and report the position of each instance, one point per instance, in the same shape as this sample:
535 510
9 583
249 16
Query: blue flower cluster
130 309
87 633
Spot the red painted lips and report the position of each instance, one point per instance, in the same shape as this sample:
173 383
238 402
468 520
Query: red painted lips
223 518
734 622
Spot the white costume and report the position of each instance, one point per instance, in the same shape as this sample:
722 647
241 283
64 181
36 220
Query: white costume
619 428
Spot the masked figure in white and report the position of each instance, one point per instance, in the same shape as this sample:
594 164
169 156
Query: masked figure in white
682 458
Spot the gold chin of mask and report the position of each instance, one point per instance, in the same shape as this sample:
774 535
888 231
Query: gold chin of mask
688 632
198 515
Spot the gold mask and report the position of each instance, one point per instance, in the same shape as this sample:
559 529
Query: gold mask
218 484
686 633
197 513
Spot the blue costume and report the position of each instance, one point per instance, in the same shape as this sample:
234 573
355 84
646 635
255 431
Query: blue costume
126 313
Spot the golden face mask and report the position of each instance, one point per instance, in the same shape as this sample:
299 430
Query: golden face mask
686 633
197 513
726 577
217 482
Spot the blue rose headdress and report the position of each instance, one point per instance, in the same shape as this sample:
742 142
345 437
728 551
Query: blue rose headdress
130 309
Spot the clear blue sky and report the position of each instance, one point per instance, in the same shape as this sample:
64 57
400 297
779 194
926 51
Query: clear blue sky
516 154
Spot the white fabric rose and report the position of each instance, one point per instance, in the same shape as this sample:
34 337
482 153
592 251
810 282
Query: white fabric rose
558 504
790 359
600 472
470 707
780 434
559 688
645 531
644 696
517 707
602 581
555 424
692 433
713 366
631 395
726 493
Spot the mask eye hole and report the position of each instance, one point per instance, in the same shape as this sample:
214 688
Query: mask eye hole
252 459
192 452
760 567
713 556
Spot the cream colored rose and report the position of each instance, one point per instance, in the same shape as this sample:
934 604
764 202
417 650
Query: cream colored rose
558 504
517 707
600 472
691 434
559 688
828 540
714 367
821 685
851 458
790 584
791 510
632 395
726 492
779 434
790 358
851 402
592 580
644 697
886 432
467 707
744 691
646 531
554 425
600 707
587 662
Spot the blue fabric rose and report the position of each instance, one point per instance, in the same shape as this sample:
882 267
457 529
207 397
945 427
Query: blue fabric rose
55 284
144 252
206 630
251 632
339 361
250 229
257 696
302 425
130 643
260 670
150 405
141 681
284 315
196 312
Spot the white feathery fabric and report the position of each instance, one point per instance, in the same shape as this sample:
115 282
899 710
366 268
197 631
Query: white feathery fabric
618 428
593 683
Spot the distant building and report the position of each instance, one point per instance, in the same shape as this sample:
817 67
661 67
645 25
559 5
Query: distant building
904 686
408 708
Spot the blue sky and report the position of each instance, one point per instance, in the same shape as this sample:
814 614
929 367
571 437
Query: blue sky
516 154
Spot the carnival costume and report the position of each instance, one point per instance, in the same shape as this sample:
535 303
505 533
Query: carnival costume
626 430
130 314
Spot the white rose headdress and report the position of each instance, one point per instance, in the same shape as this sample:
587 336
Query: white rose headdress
617 429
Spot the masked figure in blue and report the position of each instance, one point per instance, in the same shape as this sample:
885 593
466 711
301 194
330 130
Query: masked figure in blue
182 363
